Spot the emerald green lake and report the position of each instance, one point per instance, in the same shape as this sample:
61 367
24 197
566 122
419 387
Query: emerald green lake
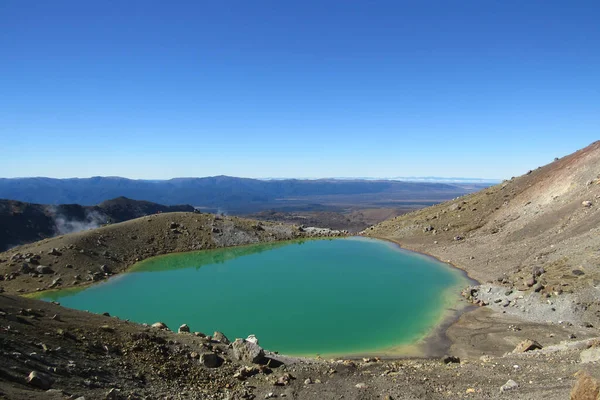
328 297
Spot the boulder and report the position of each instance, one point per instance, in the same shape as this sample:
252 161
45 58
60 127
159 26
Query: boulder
220 337
54 252
210 360
527 345
509 385
247 351
590 355
160 325
104 269
586 387
184 329
252 338
450 359
42 269
39 380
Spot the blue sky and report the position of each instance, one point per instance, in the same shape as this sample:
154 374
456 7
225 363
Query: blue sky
148 89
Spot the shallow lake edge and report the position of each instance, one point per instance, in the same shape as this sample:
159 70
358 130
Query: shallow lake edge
436 342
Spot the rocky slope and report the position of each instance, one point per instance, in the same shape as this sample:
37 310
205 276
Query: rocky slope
534 239
51 352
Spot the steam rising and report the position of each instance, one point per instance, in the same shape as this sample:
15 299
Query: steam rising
64 224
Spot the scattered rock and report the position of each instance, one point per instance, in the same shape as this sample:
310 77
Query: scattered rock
247 351
586 387
104 269
284 379
210 360
509 385
160 325
39 380
219 336
42 269
252 338
54 252
590 355
450 359
527 345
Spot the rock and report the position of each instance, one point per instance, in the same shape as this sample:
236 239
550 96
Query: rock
42 269
25 268
113 394
361 386
509 385
457 238
586 203
538 271
531 282
252 338
284 379
590 355
538 287
246 351
39 380
450 359
308 381
104 269
55 282
586 387
194 355
183 329
160 325
527 345
210 360
54 252
107 328
246 372
578 272
270 395
219 336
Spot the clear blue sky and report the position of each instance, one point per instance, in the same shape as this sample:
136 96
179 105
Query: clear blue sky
148 89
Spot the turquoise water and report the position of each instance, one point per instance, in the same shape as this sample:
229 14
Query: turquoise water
339 296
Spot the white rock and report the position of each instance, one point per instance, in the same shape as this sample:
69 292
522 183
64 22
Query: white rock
590 355
509 385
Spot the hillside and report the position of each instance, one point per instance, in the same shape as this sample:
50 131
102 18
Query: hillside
537 233
92 255
230 194
22 222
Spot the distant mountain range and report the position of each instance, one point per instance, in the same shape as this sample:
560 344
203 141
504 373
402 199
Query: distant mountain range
233 194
